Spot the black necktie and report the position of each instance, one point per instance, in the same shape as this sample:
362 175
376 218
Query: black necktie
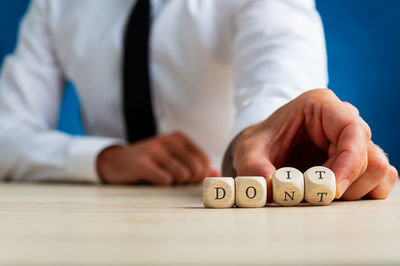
139 117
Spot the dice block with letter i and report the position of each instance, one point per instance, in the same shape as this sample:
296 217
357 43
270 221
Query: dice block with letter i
319 185
218 192
288 186
251 191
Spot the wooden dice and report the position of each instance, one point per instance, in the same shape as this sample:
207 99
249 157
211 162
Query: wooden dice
319 185
251 191
218 192
288 186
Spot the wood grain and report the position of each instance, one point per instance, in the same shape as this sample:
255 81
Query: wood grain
319 185
219 192
43 224
288 186
251 191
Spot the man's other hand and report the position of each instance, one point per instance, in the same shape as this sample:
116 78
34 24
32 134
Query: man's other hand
316 128
163 160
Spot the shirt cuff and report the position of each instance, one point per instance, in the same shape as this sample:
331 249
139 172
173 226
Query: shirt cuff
82 157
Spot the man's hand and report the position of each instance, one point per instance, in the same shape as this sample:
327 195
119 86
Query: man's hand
316 128
164 160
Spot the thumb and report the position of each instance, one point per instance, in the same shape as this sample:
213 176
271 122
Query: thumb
258 166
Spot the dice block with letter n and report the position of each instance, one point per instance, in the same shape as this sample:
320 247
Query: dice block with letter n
251 191
218 192
319 185
288 186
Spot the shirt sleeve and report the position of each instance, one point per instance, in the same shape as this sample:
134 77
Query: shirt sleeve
31 88
279 53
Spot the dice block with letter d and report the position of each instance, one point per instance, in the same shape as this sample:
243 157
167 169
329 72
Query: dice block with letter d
218 192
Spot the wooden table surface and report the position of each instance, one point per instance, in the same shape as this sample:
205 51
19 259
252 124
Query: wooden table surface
53 224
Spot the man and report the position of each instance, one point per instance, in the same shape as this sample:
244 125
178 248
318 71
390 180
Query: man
157 82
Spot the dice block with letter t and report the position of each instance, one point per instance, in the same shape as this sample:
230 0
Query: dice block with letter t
319 185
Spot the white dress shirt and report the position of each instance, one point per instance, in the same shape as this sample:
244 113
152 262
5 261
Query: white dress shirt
217 67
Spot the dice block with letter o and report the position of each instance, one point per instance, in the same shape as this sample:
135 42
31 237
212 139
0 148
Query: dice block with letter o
251 191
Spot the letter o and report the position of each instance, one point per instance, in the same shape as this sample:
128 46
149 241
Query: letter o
254 192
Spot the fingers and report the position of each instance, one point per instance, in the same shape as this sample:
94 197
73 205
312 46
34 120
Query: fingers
214 173
198 153
336 126
349 161
156 175
251 157
161 160
193 147
349 138
255 165
189 154
383 189
377 171
176 168
351 108
361 167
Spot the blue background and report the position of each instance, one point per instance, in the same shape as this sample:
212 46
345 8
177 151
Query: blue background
362 42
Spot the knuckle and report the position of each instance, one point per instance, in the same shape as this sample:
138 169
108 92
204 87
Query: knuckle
366 128
163 139
364 164
252 167
393 175
168 140
154 149
142 160
394 172
197 172
316 97
360 160
178 134
385 187
207 167
164 177
318 93
185 172
352 108
180 169
379 167
197 166
192 165
245 141
202 160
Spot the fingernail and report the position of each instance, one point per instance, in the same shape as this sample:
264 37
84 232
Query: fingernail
343 185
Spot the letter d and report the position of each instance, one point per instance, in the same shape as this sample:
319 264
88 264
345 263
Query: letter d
217 189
